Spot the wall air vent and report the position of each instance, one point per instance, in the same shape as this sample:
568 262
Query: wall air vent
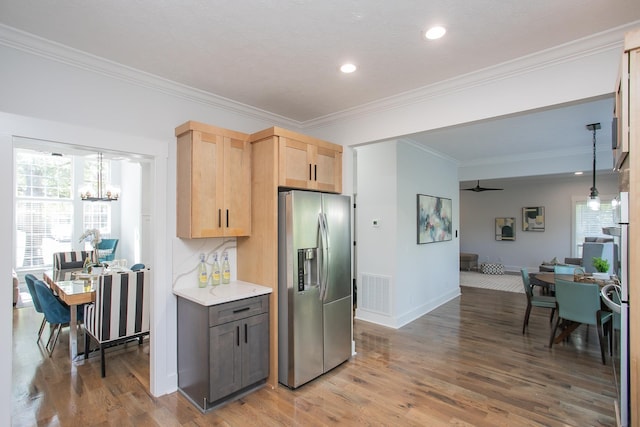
375 294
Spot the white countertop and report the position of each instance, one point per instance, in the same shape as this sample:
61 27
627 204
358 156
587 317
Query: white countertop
212 295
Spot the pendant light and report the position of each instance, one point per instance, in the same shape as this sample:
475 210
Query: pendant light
594 199
100 194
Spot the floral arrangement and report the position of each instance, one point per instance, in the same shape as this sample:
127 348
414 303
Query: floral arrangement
94 233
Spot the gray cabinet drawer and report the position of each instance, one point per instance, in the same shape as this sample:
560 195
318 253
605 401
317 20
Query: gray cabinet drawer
235 310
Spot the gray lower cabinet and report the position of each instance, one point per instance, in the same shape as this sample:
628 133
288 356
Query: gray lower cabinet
223 350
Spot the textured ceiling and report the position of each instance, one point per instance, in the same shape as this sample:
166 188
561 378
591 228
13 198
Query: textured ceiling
283 56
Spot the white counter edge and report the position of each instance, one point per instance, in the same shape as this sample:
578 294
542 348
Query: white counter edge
220 294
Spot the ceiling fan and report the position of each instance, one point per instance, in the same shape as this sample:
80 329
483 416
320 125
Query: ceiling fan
478 189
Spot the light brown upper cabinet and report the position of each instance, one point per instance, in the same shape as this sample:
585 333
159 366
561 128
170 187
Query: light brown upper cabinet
213 181
627 107
305 162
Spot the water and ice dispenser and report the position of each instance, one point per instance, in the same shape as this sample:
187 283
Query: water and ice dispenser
307 269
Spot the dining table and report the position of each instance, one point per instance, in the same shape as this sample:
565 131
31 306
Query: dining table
549 278
74 288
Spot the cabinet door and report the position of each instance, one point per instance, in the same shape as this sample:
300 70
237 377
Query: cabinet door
296 167
255 351
206 185
308 166
236 211
328 170
225 369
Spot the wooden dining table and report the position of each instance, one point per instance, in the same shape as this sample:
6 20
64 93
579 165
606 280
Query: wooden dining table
549 278
75 290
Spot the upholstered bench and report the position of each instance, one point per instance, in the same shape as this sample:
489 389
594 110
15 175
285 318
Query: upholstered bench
468 261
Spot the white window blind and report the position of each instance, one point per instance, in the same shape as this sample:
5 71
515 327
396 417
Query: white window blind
44 207
97 215
589 223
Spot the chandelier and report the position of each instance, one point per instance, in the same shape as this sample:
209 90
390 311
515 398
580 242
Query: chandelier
594 199
100 194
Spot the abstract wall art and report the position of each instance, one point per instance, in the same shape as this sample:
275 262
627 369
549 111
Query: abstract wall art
506 229
533 219
434 219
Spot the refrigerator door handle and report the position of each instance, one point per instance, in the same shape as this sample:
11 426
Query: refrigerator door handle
324 273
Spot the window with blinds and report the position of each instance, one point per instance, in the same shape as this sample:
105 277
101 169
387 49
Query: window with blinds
44 207
589 223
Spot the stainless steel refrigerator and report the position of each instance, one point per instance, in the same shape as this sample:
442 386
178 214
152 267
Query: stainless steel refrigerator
616 297
314 284
623 374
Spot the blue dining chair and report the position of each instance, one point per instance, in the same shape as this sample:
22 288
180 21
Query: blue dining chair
30 280
137 267
580 302
534 300
567 269
107 249
55 312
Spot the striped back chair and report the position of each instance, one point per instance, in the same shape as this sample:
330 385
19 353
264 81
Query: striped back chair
120 312
71 260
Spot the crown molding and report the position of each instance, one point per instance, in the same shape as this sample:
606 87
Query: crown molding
429 150
540 155
35 45
592 45
612 39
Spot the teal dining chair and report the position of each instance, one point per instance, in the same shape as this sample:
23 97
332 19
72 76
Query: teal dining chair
107 249
55 311
30 280
568 269
137 267
534 300
580 303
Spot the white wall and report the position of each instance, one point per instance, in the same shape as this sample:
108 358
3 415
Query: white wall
479 210
389 176
376 200
6 257
428 273
130 236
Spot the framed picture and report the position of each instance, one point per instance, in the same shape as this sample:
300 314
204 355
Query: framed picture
533 219
434 219
506 228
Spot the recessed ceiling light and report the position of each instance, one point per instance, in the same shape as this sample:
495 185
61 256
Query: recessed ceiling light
434 33
578 173
348 68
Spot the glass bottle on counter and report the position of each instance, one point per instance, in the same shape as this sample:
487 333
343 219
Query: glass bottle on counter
215 271
203 277
226 269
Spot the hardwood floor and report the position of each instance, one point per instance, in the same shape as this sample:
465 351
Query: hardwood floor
466 364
